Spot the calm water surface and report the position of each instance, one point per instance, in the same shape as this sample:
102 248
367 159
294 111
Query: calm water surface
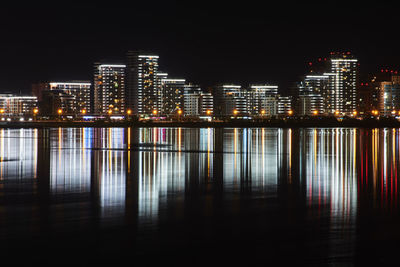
186 197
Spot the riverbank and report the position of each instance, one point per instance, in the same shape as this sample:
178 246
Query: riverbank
287 123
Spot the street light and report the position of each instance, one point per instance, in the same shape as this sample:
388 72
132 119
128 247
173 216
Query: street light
315 112
354 113
208 112
179 112
262 112
235 112
59 111
35 111
154 112
1 110
129 112
109 111
290 112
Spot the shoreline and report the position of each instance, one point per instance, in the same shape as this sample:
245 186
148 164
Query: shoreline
315 123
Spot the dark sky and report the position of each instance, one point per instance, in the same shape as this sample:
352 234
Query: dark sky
198 40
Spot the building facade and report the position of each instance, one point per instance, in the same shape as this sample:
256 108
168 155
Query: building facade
14 105
389 104
109 89
262 100
172 99
143 94
79 91
312 93
342 94
230 99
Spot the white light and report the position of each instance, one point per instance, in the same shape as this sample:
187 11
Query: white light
69 83
112 66
148 56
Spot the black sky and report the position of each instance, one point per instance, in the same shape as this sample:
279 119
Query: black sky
204 42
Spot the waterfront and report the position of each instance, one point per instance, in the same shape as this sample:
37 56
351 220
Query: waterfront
196 196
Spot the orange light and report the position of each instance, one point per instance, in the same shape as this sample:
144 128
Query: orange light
83 111
1 110
35 111
235 112
336 112
290 112
109 111
154 112
179 112
354 113
59 111
208 112
315 112
129 112
262 112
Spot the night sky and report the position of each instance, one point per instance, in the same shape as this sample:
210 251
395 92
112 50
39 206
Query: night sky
204 42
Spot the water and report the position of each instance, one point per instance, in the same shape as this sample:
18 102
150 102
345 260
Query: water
180 196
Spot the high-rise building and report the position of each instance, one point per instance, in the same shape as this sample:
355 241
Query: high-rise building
172 95
109 89
191 100
159 92
142 91
262 99
206 104
57 100
284 105
230 99
390 97
80 91
341 97
311 94
15 105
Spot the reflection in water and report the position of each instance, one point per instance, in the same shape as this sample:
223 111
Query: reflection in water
332 172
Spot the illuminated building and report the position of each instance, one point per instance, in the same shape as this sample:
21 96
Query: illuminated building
160 76
206 103
14 105
191 99
53 100
78 91
263 99
172 95
109 89
342 92
197 102
142 92
390 97
310 96
284 105
230 99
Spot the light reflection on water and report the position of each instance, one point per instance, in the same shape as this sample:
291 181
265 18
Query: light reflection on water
155 170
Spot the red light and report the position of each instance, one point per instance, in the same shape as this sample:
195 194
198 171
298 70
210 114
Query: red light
324 59
386 70
381 70
366 84
319 59
310 63
391 71
362 84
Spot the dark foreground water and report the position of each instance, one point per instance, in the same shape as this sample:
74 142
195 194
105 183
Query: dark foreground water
199 197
